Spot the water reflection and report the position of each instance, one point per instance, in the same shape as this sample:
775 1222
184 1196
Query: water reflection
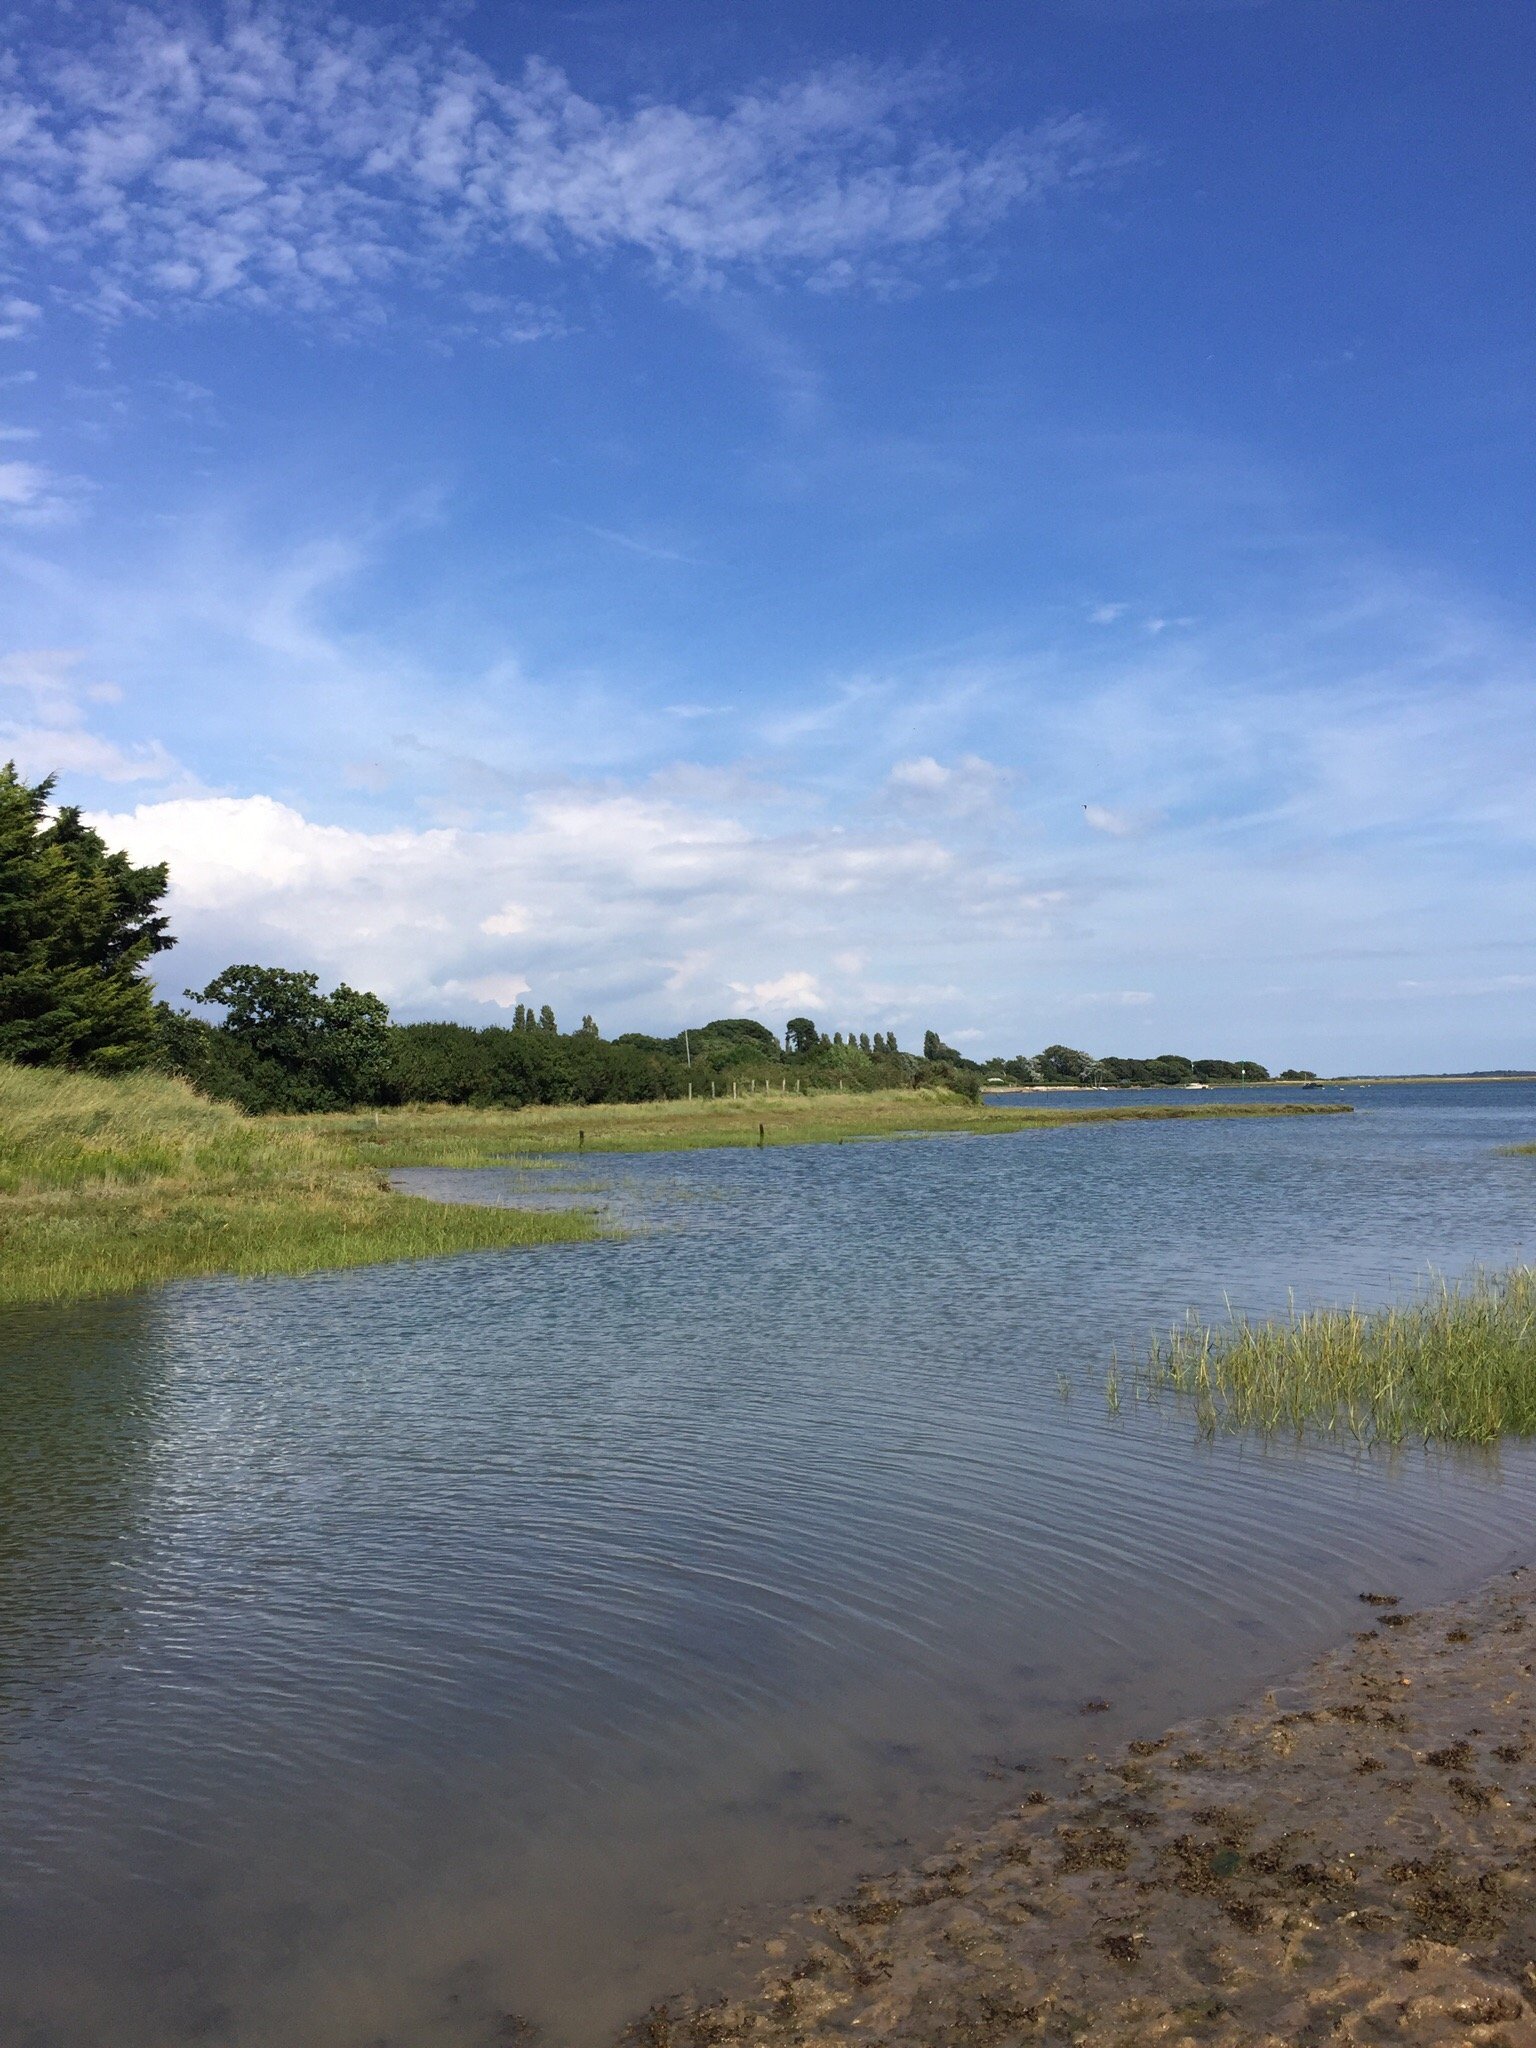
83 1399
492 1636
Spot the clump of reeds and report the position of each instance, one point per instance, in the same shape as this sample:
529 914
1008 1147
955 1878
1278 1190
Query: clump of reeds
1456 1364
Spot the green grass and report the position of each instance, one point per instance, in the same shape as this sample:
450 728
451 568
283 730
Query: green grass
109 1185
432 1135
1458 1364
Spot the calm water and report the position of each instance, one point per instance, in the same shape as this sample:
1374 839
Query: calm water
387 1653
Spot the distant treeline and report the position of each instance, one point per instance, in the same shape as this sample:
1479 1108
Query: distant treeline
79 925
1063 1066
282 1044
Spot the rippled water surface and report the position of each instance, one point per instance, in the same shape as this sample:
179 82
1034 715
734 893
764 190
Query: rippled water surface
387 1654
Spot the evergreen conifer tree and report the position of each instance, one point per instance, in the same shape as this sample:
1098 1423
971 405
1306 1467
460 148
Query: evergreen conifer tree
77 925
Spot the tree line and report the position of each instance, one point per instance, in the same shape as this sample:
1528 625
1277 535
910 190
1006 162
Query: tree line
79 925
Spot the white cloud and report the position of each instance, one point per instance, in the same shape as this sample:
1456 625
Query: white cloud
967 785
506 991
634 545
924 775
508 923
1106 614
1485 985
289 162
28 493
1118 824
18 317
1115 998
794 991
680 904
20 483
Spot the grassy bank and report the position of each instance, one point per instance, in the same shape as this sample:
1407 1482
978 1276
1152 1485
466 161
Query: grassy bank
435 1136
107 1185
111 1185
1459 1365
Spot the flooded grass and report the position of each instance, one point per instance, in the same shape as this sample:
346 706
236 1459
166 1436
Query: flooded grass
1456 1365
108 1185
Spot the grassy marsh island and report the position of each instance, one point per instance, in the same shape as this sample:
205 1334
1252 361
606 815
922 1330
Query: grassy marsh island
1458 1365
112 1183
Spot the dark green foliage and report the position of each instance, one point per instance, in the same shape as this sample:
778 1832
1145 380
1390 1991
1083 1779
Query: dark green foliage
77 925
1063 1063
1063 1066
283 1045
512 1069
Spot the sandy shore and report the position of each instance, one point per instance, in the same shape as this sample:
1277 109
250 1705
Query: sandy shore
1351 1861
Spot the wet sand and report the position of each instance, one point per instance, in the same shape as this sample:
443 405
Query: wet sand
1353 1860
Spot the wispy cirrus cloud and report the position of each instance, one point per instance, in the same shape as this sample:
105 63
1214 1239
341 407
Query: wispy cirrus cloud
262 157
46 723
30 493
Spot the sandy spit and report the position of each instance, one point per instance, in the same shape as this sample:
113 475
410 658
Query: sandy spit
1351 1861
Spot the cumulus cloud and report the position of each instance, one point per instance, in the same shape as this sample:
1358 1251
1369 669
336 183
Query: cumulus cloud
589 890
506 991
796 990
265 156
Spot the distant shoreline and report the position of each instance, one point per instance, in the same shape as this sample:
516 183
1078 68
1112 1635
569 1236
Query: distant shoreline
1210 1087
1378 1080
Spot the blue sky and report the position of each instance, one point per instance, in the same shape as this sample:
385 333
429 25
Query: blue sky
1016 520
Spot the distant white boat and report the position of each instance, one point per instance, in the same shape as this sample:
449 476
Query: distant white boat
1196 1084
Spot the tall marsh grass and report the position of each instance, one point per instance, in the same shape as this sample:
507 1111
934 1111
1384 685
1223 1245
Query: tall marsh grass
112 1184
1458 1365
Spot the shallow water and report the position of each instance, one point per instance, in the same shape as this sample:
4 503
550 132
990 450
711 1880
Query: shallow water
384 1654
